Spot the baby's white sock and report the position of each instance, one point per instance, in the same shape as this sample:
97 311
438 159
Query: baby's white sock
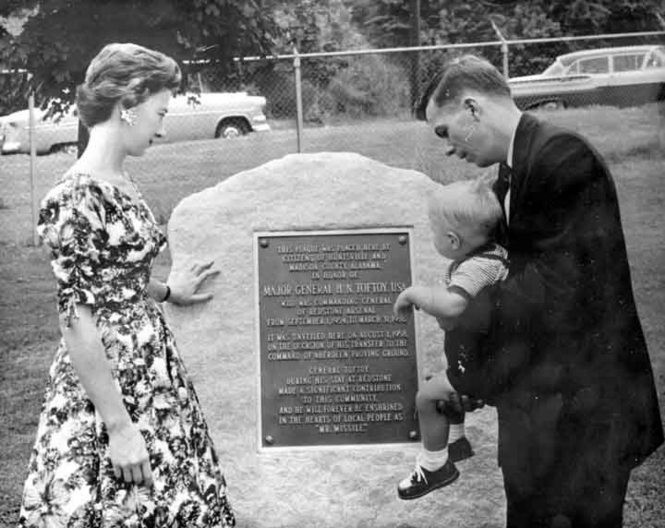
433 460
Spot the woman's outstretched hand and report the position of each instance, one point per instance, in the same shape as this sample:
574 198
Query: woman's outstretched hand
186 283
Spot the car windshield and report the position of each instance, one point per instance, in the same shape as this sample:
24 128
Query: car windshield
556 68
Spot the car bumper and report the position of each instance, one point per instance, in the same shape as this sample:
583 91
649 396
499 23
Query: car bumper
11 147
261 127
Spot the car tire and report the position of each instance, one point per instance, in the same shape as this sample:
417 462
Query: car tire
552 105
231 128
70 148
66 148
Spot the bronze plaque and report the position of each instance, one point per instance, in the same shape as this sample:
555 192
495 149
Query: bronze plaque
336 366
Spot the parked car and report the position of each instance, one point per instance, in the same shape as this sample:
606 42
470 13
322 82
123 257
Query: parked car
215 115
208 115
51 133
621 76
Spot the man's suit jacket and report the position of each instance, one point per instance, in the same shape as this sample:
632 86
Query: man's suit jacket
567 347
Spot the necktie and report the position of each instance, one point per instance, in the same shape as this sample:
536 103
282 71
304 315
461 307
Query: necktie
502 187
502 191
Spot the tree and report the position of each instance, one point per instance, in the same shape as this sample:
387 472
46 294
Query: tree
61 37
308 26
591 17
13 85
386 24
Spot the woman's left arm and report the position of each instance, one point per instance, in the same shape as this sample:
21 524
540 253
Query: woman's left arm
158 290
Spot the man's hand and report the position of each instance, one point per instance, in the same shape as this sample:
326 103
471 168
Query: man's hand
459 403
447 323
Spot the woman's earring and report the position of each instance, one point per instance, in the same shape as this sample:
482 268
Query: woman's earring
128 116
472 129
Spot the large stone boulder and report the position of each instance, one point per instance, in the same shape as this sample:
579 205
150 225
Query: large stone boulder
326 486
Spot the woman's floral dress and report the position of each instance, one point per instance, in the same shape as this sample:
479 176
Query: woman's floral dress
102 244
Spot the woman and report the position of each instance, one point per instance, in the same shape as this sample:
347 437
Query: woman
121 437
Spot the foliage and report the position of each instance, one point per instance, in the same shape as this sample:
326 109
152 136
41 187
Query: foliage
13 88
59 40
61 37
370 86
308 26
579 17
589 17
387 23
335 85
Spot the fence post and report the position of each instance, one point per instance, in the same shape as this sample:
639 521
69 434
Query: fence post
33 153
299 116
661 128
504 48
415 55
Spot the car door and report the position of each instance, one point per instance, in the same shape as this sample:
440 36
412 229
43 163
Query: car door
594 74
188 119
636 79
177 122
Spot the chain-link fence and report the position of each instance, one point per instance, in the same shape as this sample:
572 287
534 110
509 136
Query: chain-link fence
345 87
359 101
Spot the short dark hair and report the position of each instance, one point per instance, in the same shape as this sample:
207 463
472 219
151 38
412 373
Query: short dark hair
466 72
126 73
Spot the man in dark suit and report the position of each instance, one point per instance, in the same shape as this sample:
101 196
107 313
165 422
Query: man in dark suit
569 367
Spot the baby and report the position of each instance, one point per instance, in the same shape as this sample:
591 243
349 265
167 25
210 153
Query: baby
463 218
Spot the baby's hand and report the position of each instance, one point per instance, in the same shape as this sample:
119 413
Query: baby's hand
402 307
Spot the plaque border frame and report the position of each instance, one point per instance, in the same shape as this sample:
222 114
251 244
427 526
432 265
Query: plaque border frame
256 235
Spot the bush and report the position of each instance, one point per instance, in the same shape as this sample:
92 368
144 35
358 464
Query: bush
370 86
364 86
278 86
13 92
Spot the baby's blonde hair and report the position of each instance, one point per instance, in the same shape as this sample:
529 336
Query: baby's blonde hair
469 206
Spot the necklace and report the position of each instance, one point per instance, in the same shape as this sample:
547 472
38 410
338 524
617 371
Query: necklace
132 184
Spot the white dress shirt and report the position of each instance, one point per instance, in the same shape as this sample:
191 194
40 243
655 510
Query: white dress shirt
509 162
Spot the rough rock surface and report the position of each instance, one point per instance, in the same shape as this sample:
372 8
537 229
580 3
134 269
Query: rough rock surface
326 487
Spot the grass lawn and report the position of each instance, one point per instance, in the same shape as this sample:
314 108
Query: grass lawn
28 332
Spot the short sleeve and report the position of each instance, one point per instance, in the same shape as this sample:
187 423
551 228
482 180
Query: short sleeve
479 271
71 224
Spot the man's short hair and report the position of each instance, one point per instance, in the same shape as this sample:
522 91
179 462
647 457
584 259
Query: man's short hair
468 72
